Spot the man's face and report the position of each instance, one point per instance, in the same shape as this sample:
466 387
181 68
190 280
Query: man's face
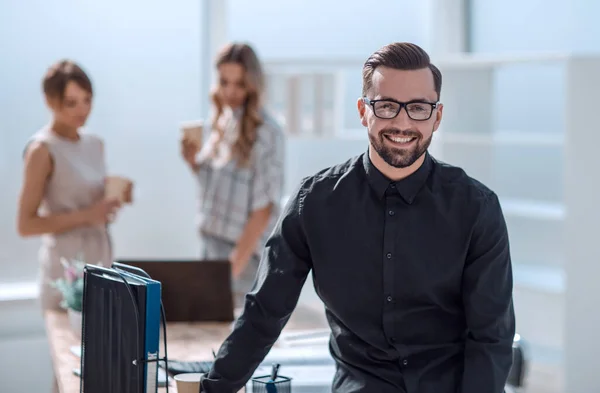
400 139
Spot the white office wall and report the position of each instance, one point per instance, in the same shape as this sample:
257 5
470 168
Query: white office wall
535 25
144 59
585 28
520 25
332 28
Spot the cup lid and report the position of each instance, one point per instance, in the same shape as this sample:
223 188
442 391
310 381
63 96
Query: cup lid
188 377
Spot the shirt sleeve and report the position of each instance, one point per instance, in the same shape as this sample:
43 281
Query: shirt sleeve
283 269
267 184
202 158
487 299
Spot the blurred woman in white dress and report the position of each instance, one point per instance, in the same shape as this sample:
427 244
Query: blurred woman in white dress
62 195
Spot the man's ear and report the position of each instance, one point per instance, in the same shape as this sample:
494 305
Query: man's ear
438 116
362 109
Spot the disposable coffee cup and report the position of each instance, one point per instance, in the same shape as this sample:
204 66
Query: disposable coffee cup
116 188
192 131
188 382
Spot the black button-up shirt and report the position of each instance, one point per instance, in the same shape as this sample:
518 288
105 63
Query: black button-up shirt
415 276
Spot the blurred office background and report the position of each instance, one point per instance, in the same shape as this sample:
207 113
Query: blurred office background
520 88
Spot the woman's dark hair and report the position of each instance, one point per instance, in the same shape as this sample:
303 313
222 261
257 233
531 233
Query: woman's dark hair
60 74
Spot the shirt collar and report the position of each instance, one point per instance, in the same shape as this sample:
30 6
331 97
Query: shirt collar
407 187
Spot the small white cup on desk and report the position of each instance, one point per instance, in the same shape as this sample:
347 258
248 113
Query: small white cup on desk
193 131
116 188
188 382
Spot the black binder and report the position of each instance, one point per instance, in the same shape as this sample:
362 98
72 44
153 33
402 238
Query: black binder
120 331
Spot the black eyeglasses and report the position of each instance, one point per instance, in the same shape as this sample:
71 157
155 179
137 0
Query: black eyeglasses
388 109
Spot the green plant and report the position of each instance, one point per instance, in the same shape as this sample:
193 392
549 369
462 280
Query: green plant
71 285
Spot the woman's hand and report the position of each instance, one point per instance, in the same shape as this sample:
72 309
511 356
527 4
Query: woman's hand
189 149
102 212
38 169
238 263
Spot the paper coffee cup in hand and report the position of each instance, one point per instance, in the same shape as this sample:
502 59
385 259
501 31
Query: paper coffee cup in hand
116 188
188 382
192 131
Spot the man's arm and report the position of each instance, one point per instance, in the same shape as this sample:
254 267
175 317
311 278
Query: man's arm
283 269
487 298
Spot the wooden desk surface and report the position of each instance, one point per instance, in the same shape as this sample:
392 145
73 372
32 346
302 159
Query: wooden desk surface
186 341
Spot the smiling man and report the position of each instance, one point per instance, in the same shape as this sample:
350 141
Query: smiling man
410 256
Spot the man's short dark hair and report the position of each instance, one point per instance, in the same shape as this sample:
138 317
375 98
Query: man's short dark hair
400 56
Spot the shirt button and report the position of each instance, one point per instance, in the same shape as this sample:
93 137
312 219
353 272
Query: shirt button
389 255
391 212
405 362
389 298
392 185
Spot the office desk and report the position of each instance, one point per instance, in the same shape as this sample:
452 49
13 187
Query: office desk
186 341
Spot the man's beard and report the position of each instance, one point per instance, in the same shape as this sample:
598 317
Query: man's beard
399 157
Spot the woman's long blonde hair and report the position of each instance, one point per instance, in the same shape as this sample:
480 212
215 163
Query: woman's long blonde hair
251 119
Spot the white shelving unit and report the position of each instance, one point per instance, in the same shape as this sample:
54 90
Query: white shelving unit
503 138
556 302
469 138
582 189
570 291
545 180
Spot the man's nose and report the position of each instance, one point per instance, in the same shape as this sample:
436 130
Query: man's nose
402 120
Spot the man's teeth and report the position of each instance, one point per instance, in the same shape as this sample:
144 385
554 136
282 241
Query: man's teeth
400 140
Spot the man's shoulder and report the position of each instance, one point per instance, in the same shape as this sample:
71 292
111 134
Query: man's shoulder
327 180
455 181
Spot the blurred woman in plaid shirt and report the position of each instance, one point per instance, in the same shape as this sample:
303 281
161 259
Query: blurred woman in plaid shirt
239 169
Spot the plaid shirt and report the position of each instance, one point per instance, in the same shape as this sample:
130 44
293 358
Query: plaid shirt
228 194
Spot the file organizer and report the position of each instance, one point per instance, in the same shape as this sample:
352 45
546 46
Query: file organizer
122 313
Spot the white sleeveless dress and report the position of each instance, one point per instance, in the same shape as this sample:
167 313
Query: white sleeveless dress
77 182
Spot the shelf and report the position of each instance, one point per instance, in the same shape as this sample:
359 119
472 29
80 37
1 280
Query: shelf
449 62
547 279
503 138
18 291
466 62
533 209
